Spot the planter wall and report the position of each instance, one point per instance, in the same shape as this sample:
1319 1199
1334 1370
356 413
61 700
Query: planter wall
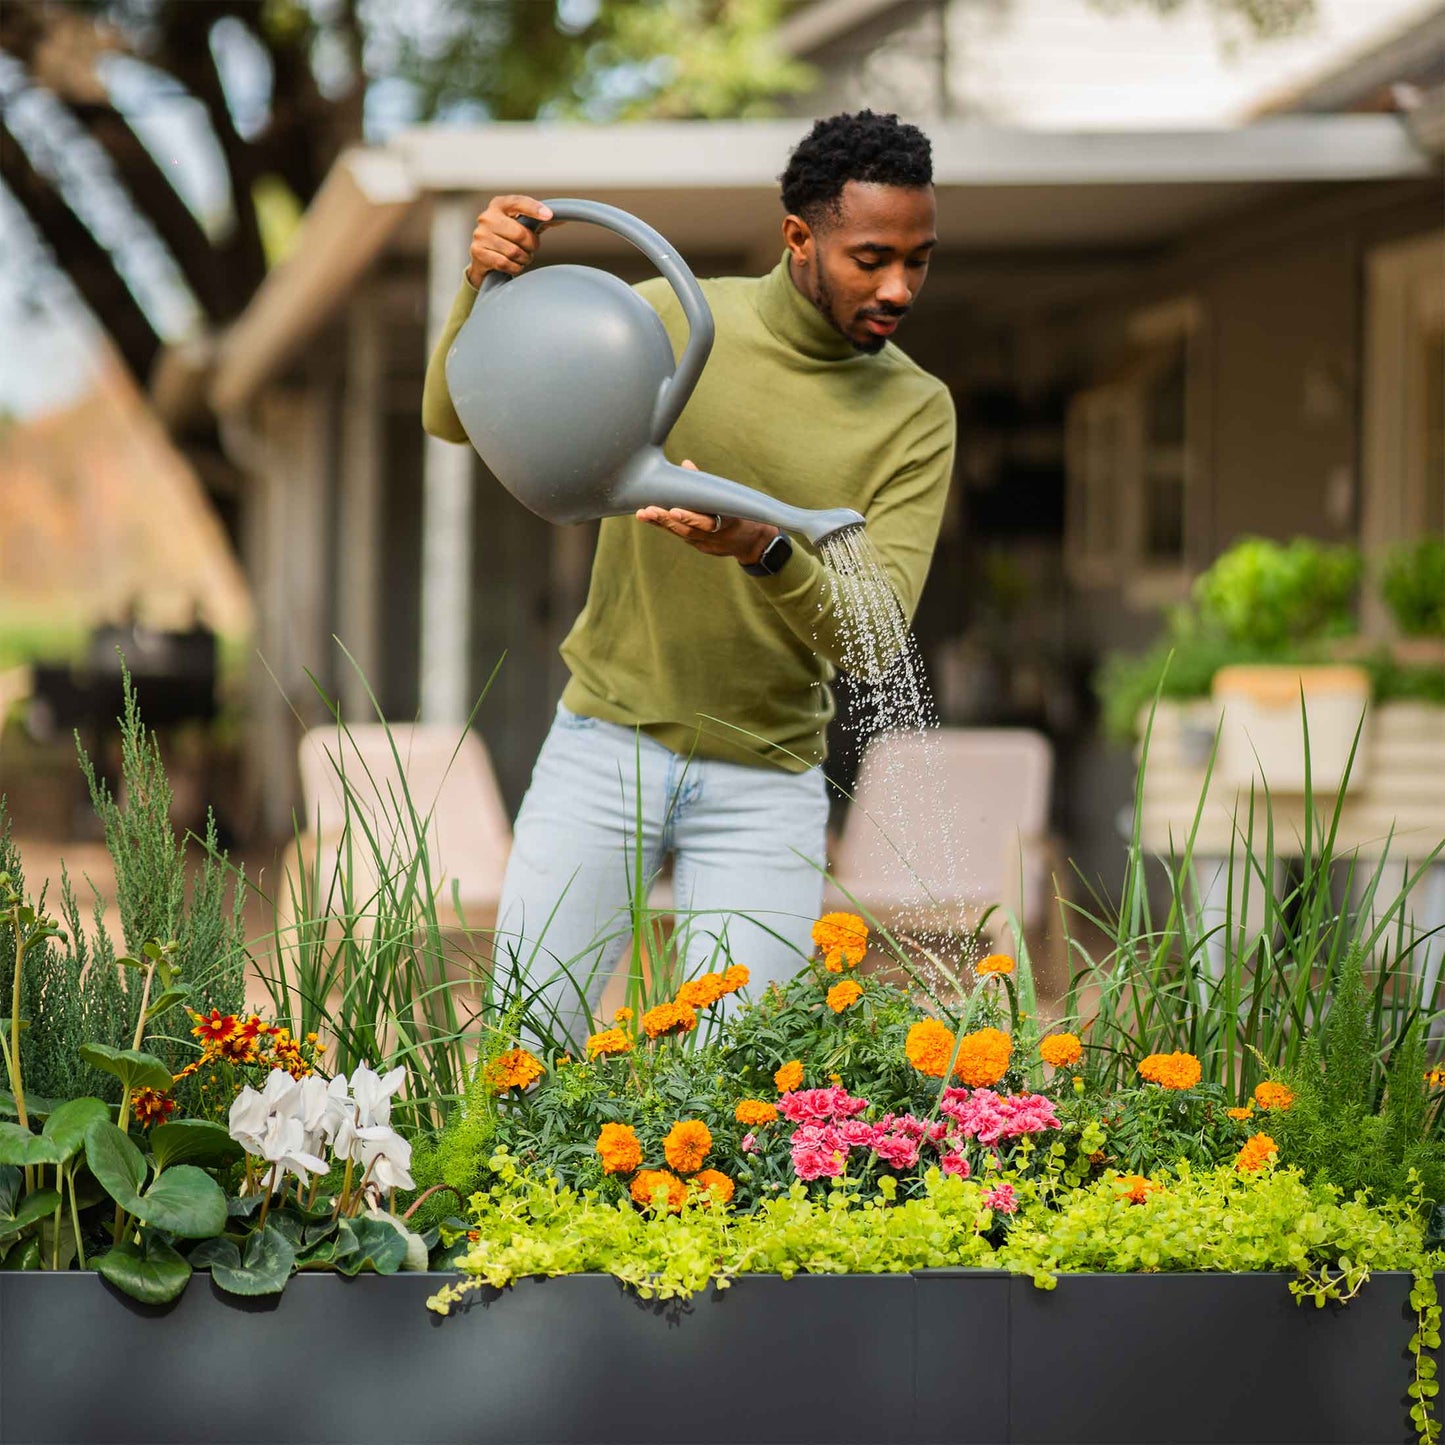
939 1358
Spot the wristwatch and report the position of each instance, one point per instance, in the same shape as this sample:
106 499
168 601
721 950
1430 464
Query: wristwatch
774 559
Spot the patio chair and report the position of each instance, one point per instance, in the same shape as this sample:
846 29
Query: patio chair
995 782
452 789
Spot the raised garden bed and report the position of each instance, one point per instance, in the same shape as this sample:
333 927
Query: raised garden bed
942 1357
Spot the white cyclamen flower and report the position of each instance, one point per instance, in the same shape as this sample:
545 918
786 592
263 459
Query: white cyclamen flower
385 1158
285 1145
251 1110
324 1109
372 1093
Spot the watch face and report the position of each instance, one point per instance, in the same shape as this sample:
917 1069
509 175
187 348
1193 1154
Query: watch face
776 553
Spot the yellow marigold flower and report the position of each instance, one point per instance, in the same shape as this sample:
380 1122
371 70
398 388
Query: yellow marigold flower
754 1112
702 992
1273 1096
999 963
1171 1071
623 1016
929 1046
609 1041
789 1077
516 1069
1435 1077
1258 1150
1061 1050
843 937
1241 1114
844 995
836 1080
983 1057
1135 1188
713 1185
618 1146
668 1018
646 1184
686 1145
735 978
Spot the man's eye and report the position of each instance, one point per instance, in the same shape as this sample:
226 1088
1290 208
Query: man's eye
869 265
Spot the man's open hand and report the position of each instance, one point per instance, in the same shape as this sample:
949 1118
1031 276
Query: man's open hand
735 537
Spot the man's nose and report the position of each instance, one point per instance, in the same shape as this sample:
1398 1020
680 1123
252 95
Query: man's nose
895 292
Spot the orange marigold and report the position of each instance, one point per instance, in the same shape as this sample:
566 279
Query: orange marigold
609 1041
1435 1077
999 963
703 991
929 1046
713 1185
983 1057
843 937
618 1146
1171 1071
1273 1096
686 1145
754 1112
735 978
1136 1188
789 1077
844 995
623 1016
647 1184
516 1069
669 1018
1241 1114
1061 1050
1258 1150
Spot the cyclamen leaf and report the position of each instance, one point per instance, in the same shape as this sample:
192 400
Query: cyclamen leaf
263 1268
379 1246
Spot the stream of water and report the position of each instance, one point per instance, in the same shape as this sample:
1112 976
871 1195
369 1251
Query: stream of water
916 851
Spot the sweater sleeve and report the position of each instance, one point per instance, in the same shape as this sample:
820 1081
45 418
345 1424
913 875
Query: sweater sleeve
438 415
903 525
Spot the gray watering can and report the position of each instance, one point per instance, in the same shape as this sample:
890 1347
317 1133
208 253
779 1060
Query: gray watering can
564 380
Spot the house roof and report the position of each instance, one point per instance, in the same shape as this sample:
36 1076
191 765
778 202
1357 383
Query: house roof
711 188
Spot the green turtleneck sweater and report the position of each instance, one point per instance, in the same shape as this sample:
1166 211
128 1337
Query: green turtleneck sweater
692 649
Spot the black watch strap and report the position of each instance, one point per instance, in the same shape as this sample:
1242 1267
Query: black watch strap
774 559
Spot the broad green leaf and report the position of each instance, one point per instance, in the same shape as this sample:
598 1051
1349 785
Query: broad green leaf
26 1255
126 961
153 1272
184 1201
20 1146
10 1181
263 1267
116 1163
136 1070
166 1000
66 1127
34 1206
192 1141
378 1246
37 1106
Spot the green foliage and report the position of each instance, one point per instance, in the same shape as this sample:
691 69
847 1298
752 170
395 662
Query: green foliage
1152 1128
1258 19
1413 586
1354 1123
1261 594
150 880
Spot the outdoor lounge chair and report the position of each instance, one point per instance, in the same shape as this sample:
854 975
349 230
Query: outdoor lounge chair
996 783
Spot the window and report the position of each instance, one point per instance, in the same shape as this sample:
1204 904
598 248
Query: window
1130 471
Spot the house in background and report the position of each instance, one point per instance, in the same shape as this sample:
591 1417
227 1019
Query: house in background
1158 341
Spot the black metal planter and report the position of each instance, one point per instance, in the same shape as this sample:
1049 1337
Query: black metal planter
938 1358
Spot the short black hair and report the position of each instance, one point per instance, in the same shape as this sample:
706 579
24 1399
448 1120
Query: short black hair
862 146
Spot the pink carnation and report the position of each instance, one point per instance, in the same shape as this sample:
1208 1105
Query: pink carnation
1001 1199
820 1106
819 1151
750 1143
988 1117
955 1163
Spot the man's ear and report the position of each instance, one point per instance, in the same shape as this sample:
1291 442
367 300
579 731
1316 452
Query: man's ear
798 237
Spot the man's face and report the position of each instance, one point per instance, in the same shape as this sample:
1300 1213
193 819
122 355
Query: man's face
864 269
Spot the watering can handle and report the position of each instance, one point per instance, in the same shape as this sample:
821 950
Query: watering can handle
656 248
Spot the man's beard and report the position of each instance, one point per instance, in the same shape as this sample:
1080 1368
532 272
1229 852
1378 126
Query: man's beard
823 300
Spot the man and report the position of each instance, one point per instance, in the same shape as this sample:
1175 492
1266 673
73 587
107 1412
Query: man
701 661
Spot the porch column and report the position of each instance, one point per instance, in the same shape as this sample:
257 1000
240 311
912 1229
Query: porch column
358 566
446 558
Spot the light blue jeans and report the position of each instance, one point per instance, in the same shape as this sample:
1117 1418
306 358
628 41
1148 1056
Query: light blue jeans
748 846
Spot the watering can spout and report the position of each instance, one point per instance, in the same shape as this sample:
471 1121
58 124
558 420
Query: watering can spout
653 481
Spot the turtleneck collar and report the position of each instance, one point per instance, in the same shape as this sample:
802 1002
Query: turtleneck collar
795 321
